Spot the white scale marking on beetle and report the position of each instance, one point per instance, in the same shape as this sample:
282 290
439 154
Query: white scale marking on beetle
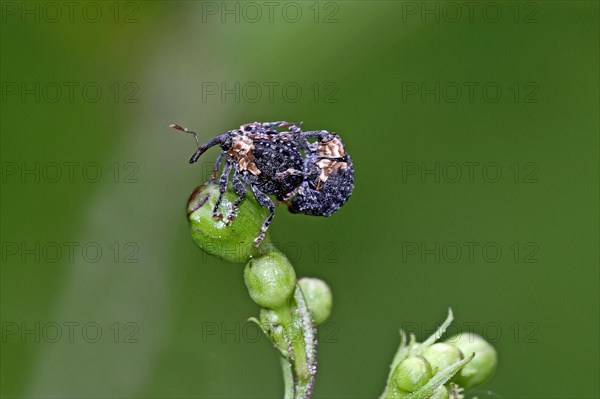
241 153
331 149
327 167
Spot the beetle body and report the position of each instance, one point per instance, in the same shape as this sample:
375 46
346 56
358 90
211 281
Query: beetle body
261 158
328 176
269 161
270 158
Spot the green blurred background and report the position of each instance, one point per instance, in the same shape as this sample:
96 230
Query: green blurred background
420 91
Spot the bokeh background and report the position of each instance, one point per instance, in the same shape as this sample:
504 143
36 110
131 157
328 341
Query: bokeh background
474 133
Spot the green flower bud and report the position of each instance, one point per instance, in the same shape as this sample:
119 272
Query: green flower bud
483 364
442 355
318 298
440 393
269 317
413 373
232 242
270 280
270 322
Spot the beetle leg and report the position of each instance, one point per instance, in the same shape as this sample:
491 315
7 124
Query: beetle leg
222 188
321 135
301 138
288 172
293 126
265 201
289 195
213 176
240 190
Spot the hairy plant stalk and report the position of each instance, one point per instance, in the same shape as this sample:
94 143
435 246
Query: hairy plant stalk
288 378
300 340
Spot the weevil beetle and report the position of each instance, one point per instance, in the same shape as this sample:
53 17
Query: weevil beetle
328 175
263 158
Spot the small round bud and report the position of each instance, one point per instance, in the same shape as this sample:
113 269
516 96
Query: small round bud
271 324
270 280
413 373
268 317
440 393
318 298
233 242
442 355
483 364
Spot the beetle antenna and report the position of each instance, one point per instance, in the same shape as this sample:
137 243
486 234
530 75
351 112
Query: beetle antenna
186 130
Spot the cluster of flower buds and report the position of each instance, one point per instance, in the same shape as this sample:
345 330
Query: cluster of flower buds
291 308
439 370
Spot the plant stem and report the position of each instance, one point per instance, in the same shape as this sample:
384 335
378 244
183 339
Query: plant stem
309 334
300 339
288 378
